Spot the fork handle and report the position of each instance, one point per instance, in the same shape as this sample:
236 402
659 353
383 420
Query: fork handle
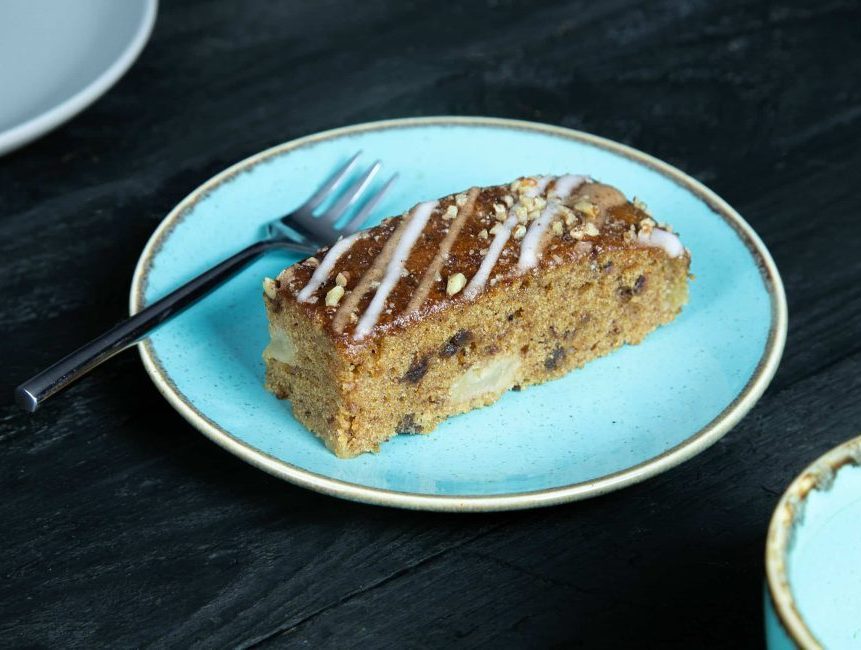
37 389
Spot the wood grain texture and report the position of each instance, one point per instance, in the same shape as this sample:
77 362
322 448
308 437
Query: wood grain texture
122 526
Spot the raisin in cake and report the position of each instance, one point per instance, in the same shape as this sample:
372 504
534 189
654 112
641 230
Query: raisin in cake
441 310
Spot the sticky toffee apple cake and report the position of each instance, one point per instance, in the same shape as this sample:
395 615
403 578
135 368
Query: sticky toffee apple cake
441 310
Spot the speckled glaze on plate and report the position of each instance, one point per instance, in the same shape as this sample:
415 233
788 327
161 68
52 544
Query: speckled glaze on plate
619 420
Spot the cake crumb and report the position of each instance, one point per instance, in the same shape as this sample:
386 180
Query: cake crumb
456 282
334 296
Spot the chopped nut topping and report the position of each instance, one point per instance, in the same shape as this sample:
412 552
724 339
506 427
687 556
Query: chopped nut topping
499 210
576 233
483 251
496 228
334 296
353 317
270 288
482 234
456 282
539 203
341 279
646 226
460 200
451 212
520 212
313 262
508 200
557 228
569 215
521 184
375 284
533 215
528 202
630 234
640 205
591 230
586 207
519 231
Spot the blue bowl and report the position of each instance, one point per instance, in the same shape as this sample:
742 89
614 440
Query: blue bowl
813 556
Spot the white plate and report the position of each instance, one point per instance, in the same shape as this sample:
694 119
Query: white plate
56 58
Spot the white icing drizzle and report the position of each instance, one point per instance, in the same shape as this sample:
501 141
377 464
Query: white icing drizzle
532 240
321 274
566 184
658 238
421 214
529 246
493 252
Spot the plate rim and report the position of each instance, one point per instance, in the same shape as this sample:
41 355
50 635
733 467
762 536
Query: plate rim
688 448
34 127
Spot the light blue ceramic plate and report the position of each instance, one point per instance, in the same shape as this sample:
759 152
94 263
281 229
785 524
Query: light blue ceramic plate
813 557
56 58
620 420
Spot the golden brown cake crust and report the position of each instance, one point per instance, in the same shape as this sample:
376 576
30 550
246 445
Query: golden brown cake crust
592 219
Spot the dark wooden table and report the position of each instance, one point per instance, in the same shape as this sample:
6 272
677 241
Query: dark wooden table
123 526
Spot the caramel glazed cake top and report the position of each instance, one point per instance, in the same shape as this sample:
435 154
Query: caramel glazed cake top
453 249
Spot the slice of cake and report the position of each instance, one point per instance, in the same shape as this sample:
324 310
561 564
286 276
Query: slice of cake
441 310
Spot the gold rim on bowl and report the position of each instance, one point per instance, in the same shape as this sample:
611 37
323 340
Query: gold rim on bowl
780 530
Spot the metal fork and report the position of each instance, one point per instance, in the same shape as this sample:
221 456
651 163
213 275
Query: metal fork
301 231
